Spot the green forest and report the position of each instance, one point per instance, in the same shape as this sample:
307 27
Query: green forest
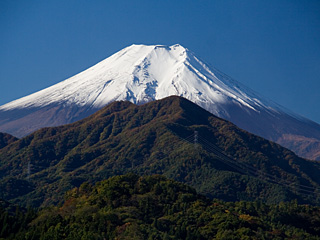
154 138
163 170
154 207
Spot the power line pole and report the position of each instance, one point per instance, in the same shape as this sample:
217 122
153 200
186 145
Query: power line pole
195 140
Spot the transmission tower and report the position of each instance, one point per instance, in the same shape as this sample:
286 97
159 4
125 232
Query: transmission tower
195 140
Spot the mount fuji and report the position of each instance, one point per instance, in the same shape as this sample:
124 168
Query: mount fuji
140 74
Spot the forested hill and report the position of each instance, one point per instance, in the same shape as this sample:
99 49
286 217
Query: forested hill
6 139
172 137
153 207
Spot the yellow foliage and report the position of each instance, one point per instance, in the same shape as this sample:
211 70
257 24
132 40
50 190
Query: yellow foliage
246 217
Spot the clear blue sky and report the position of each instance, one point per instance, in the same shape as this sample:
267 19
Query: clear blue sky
271 46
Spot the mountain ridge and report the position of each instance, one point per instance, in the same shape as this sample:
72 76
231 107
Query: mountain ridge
140 74
154 138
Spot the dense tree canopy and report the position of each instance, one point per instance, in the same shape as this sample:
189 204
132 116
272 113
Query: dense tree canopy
153 207
155 138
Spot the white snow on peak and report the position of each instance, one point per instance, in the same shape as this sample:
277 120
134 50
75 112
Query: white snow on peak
141 73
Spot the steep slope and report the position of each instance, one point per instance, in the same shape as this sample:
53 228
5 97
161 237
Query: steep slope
141 74
155 138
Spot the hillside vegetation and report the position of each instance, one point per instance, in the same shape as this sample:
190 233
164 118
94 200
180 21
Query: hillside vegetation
153 207
6 139
172 137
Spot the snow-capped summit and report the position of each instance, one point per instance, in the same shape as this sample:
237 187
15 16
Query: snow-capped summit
140 74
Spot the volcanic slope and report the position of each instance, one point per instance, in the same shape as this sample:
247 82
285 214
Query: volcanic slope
173 137
140 74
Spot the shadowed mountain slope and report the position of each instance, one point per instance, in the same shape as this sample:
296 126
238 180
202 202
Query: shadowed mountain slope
6 139
173 137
